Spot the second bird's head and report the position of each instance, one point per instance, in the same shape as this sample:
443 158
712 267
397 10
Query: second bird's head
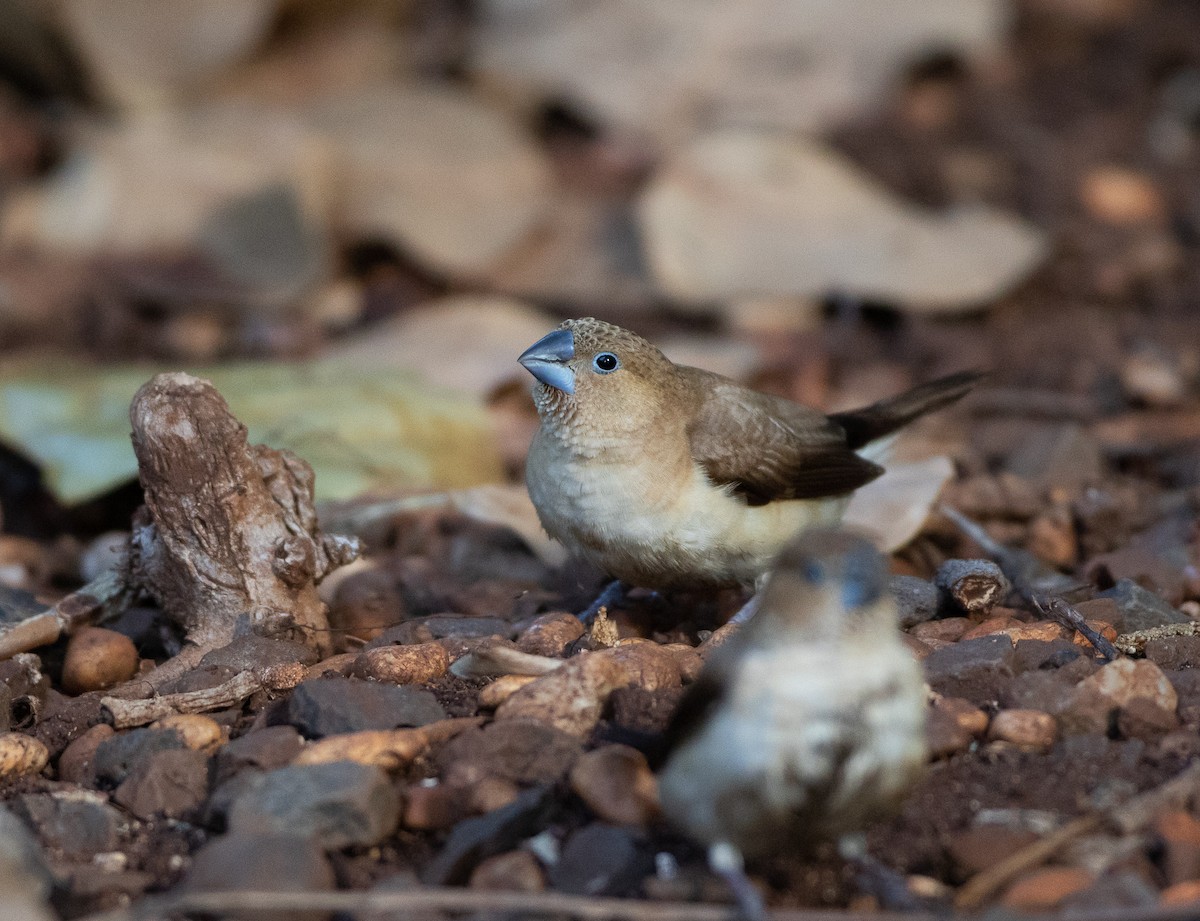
592 372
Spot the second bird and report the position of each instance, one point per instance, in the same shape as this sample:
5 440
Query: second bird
667 476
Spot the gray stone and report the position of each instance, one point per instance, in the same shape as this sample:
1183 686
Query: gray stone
974 586
25 881
76 825
478 838
525 751
330 706
974 669
253 651
262 862
1042 655
266 749
1140 608
337 804
600 860
169 783
916 599
116 757
1112 891
1174 652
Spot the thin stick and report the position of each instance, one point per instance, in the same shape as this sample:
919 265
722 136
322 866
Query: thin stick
982 886
71 612
1135 814
1069 616
126 713
532 904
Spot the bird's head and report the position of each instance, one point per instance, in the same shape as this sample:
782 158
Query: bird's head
598 374
827 583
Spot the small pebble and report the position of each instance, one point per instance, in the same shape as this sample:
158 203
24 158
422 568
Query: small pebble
964 713
21 754
645 665
428 808
616 784
975 586
948 629
96 659
1179 832
491 793
1044 889
1181 893
75 763
198 732
572 697
514 871
416 664
365 604
1027 728
551 634
1120 196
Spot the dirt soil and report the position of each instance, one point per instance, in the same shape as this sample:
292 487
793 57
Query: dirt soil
1083 450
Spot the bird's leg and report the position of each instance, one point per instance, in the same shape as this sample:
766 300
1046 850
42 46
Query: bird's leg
750 608
725 861
888 886
746 611
611 594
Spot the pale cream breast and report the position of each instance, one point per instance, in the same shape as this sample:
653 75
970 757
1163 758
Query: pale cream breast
659 522
757 773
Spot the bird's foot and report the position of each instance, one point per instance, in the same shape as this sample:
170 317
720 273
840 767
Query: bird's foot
888 886
611 594
725 861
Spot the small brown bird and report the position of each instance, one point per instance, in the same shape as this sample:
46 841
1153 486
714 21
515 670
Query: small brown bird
808 723
666 476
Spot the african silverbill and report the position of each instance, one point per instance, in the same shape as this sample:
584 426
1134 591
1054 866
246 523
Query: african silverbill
807 724
666 476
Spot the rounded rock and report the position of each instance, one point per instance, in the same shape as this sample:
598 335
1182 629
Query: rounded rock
617 784
198 732
75 762
645 665
96 659
570 698
1043 890
551 634
1027 728
365 604
515 871
21 754
415 664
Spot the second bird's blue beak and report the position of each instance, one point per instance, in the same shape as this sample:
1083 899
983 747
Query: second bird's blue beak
546 360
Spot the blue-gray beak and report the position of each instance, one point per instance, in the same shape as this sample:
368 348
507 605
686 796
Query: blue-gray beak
546 360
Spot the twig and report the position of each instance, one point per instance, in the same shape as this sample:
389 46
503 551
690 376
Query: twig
126 713
1136 813
1070 617
71 612
1026 572
983 886
525 905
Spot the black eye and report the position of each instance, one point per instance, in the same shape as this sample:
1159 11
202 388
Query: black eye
606 362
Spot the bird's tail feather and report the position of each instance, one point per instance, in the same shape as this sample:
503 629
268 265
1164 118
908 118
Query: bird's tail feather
863 426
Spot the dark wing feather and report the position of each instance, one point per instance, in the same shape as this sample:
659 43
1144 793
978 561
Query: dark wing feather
769 448
862 426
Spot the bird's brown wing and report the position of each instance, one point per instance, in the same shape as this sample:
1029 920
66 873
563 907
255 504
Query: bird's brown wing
768 448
